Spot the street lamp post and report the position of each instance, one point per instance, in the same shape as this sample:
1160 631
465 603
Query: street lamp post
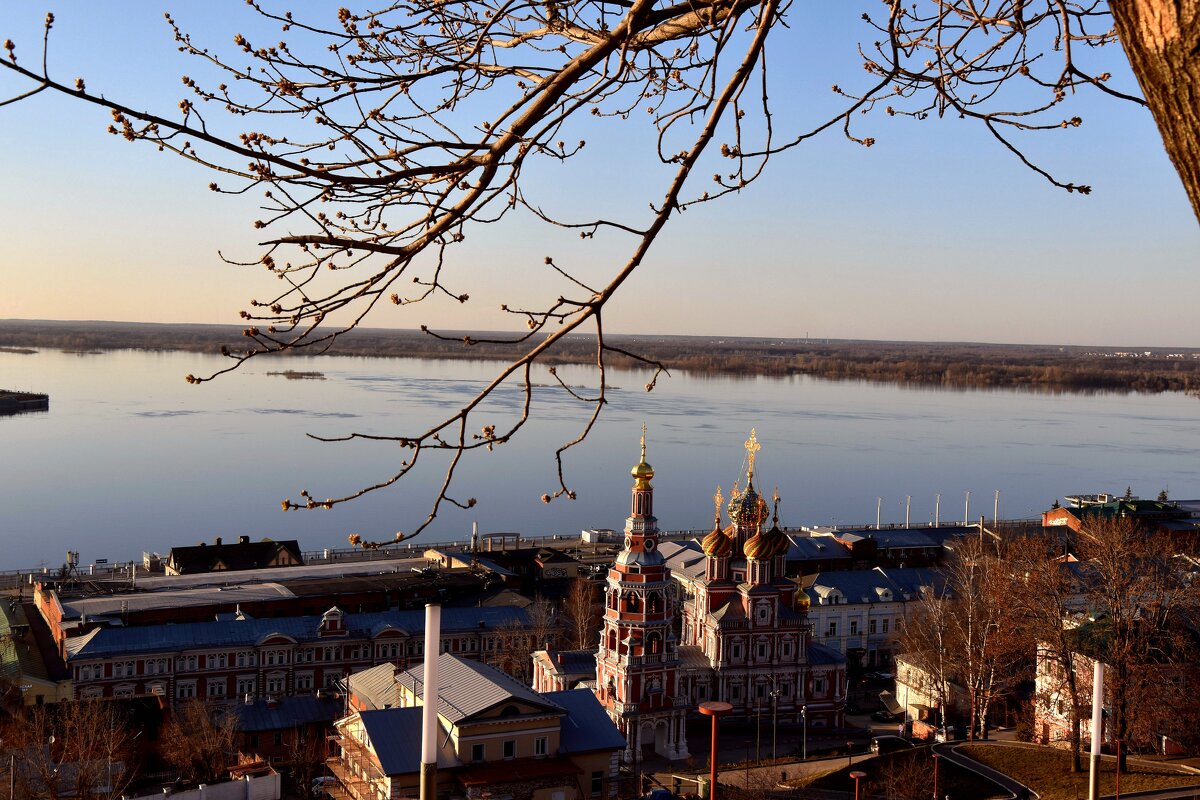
758 731
858 775
714 709
935 775
774 726
804 728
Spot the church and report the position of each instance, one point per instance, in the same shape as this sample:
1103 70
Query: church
738 632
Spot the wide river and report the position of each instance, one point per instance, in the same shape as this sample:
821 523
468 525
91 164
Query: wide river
130 458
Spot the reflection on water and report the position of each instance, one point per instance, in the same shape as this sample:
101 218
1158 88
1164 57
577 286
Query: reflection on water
131 458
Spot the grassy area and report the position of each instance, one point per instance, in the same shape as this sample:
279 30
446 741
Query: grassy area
905 775
1047 771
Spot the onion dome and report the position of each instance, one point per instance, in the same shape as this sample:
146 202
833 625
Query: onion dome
758 547
802 601
776 538
642 472
717 544
748 509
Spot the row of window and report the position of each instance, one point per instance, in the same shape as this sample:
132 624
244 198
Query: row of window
283 656
508 749
872 627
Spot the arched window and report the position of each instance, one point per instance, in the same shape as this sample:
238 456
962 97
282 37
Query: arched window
652 602
654 641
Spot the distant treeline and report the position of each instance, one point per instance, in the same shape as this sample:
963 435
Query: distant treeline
934 364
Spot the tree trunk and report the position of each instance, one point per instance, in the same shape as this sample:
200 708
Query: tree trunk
1162 41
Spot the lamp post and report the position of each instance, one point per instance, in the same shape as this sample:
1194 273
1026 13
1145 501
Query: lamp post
935 775
804 728
758 730
714 709
858 775
774 725
849 754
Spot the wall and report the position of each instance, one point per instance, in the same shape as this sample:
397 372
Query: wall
265 787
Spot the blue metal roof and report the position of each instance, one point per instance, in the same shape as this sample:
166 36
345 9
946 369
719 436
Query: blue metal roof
587 725
395 735
290 712
173 637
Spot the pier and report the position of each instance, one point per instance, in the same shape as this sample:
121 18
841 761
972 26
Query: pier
22 402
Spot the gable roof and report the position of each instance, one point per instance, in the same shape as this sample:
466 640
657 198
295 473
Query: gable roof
232 556
376 687
289 712
395 736
587 726
467 688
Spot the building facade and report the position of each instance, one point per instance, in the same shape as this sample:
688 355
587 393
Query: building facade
744 636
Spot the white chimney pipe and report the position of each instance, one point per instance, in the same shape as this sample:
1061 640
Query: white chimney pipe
1097 729
429 699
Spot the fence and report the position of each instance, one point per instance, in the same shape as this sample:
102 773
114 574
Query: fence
265 787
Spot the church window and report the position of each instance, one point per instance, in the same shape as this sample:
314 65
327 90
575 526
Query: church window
735 692
785 690
655 642
653 602
787 649
760 691
735 652
819 685
632 603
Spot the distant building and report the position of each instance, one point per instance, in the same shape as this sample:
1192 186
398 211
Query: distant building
279 730
497 738
861 613
244 554
1175 520
238 657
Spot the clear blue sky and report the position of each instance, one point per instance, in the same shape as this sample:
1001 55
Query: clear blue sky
935 233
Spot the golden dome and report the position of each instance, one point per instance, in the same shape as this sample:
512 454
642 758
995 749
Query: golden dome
642 472
802 599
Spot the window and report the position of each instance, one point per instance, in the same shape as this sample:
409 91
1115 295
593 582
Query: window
736 652
275 684
853 627
185 690
476 753
304 681
885 625
819 685
245 686
279 740
597 783
871 626
787 649
540 746
832 630
762 650
216 688
510 748
123 691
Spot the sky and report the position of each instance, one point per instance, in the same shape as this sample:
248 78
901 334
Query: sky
935 233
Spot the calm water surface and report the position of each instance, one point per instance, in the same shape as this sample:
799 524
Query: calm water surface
131 458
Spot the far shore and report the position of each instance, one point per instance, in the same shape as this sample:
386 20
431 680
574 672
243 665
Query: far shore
952 365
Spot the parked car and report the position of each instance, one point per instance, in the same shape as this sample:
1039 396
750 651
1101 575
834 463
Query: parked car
883 715
888 744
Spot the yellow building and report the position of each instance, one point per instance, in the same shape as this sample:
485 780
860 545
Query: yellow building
497 737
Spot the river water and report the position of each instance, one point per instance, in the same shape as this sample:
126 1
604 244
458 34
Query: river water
130 458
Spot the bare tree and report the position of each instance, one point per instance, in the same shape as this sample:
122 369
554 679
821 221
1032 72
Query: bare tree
982 638
581 613
81 749
198 740
382 140
1143 603
1047 597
